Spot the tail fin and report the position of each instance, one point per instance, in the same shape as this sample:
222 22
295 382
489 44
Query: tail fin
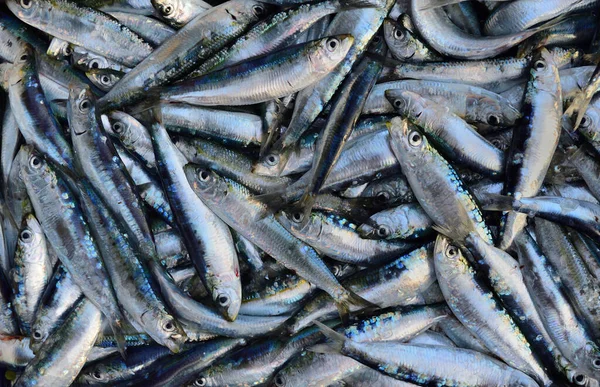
117 329
499 203
351 298
337 339
583 98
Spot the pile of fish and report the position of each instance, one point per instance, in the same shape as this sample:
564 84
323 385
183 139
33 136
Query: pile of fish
300 193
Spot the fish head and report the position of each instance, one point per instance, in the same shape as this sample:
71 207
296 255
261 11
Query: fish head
409 145
447 256
400 38
205 379
31 235
490 111
173 11
35 170
273 163
96 374
24 67
206 184
378 227
293 220
227 298
104 79
407 103
59 49
544 71
325 54
588 360
170 332
27 10
80 110
39 332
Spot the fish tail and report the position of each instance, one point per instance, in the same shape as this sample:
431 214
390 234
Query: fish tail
337 339
351 298
275 201
117 328
499 203
578 106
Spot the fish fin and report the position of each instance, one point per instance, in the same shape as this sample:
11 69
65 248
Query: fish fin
275 201
578 105
305 206
351 298
499 203
441 230
337 339
117 330
322 348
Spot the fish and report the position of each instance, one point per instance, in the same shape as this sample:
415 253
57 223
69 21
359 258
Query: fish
527 164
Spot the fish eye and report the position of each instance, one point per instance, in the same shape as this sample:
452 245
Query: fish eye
26 236
117 127
376 39
399 103
168 326
97 375
223 300
451 251
398 34
67 51
258 10
26 4
596 363
85 105
580 379
383 231
332 44
203 175
557 169
279 382
383 197
94 64
539 64
105 80
168 10
272 160
297 217
415 139
200 382
585 121
493 119
36 334
35 162
23 57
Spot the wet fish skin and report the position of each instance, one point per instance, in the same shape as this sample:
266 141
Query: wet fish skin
34 119
65 352
337 238
61 217
98 161
442 194
285 295
31 272
180 54
408 362
401 282
561 322
94 30
485 318
207 238
454 137
149 29
61 295
136 290
264 78
133 135
250 218
534 141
